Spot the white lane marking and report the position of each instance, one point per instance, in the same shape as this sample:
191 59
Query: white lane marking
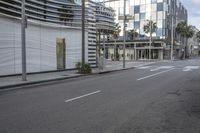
161 67
144 67
190 68
155 74
109 65
72 99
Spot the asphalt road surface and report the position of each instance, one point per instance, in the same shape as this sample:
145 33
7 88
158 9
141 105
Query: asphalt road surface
159 98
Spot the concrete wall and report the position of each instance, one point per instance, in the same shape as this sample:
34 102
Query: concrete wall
40 46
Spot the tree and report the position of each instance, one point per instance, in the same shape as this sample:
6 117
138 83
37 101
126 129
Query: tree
149 28
185 31
66 14
115 35
132 34
198 36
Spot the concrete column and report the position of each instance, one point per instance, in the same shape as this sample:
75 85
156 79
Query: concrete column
161 54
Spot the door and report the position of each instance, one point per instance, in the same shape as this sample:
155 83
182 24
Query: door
60 53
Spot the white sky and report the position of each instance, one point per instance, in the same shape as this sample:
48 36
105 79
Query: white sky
193 7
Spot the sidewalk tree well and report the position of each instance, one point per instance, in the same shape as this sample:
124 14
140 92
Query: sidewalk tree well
83 68
185 31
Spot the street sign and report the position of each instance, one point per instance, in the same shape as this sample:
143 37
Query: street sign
127 17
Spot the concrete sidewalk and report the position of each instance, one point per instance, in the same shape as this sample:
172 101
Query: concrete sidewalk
16 81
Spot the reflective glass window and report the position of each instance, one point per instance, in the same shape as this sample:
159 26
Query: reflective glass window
137 2
159 6
159 32
154 16
136 9
142 16
137 17
160 15
148 8
159 1
142 2
148 1
137 25
154 7
143 8
160 24
153 1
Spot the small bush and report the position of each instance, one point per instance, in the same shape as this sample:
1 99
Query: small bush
83 68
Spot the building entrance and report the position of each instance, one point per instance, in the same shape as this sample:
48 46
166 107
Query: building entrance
143 54
60 53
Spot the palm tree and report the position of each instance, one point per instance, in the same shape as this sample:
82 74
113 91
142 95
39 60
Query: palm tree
132 34
150 27
115 35
185 31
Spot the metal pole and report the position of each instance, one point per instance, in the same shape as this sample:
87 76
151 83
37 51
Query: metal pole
172 37
104 50
135 52
83 31
115 51
150 38
124 41
23 39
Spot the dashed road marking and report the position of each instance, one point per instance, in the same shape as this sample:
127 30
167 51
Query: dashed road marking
155 74
162 67
190 68
92 93
157 68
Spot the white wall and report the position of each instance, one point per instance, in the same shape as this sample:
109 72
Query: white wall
40 46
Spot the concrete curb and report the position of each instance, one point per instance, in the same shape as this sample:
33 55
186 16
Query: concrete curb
110 71
61 78
57 79
37 82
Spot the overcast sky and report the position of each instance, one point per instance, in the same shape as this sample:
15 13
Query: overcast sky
193 7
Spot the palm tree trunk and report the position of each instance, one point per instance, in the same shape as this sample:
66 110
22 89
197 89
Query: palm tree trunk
186 48
115 50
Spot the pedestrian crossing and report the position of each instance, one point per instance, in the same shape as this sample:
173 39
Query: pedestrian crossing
159 68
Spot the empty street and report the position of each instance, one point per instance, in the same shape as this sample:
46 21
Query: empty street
163 97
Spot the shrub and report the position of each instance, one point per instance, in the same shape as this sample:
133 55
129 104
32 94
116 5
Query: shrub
83 68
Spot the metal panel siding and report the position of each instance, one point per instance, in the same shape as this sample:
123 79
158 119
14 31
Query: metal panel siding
40 46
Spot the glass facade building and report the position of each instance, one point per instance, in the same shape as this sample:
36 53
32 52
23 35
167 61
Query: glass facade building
155 10
159 11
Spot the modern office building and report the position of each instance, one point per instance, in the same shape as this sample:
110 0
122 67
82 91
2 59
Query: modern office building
53 34
100 21
160 12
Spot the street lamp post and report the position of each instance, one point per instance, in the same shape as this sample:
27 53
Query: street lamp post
172 36
83 31
150 43
104 51
124 39
171 15
23 39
